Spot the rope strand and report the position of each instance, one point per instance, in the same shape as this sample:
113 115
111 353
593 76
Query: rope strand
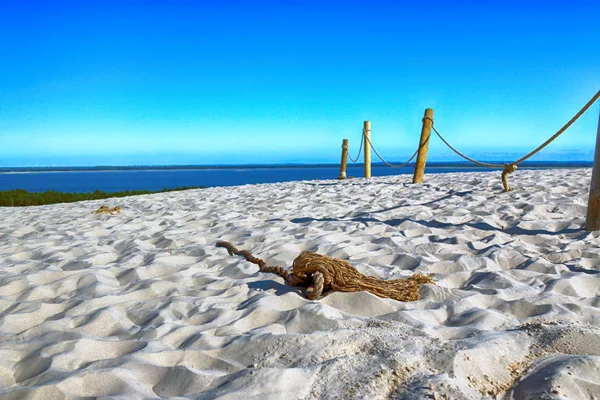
387 163
362 136
561 130
483 164
538 149
262 265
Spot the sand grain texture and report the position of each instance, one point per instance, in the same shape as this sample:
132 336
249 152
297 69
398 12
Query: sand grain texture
141 304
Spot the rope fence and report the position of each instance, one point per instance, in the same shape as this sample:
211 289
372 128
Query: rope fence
511 167
370 144
387 163
360 146
428 125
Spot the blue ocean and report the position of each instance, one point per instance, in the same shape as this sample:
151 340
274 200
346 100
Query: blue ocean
116 179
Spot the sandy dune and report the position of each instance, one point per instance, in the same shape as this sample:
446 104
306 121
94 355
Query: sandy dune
143 305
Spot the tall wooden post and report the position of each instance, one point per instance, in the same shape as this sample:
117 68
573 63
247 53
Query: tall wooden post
344 159
592 222
423 146
367 133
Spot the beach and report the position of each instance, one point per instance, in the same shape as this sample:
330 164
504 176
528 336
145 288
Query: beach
142 304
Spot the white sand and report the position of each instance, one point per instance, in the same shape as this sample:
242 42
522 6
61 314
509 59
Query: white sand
143 305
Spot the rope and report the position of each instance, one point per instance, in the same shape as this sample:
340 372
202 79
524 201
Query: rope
561 130
512 167
322 273
538 149
483 164
387 163
106 210
362 136
315 291
508 169
262 265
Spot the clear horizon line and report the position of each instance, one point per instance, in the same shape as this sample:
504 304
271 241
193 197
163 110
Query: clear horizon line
275 164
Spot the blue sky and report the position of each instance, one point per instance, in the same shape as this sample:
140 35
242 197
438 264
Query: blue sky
127 83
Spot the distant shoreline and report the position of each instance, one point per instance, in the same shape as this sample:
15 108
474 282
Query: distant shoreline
153 178
532 164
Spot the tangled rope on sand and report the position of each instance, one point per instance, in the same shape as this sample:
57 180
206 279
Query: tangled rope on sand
321 273
107 210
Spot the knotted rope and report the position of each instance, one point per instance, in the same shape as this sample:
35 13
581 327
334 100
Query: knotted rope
509 168
321 273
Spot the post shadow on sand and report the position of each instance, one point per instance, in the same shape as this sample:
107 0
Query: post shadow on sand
512 230
364 182
572 267
575 268
450 194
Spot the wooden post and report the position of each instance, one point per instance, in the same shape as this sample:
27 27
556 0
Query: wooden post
344 159
423 146
367 133
592 222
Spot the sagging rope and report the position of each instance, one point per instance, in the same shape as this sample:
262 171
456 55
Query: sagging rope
387 163
363 137
506 168
511 167
321 273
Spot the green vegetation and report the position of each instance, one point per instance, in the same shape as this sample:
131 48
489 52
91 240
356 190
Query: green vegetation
19 197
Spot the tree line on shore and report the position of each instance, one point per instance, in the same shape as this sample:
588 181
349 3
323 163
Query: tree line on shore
20 197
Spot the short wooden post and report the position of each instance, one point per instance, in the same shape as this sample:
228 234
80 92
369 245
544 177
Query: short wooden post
367 133
423 146
344 159
592 222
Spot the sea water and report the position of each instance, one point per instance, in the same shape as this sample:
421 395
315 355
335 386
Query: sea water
115 179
